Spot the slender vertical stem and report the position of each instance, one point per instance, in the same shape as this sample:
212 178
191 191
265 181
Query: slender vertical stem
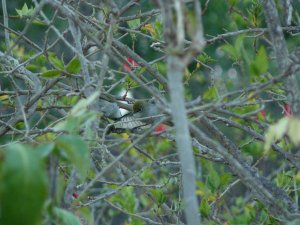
183 139
5 22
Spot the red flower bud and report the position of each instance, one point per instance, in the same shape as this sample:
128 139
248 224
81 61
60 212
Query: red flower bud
75 195
287 110
131 63
160 128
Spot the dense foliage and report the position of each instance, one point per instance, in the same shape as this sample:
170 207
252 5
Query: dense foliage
223 149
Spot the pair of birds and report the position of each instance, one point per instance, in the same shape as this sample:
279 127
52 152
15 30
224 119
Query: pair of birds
144 113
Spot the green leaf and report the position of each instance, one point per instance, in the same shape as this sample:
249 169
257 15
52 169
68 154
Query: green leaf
81 107
273 220
211 94
294 130
225 179
204 208
51 74
276 132
78 115
129 199
58 63
45 149
39 22
136 221
158 29
231 51
25 11
76 151
32 67
163 145
134 23
232 2
213 179
74 124
159 195
283 179
260 64
64 217
126 199
161 67
23 186
74 66
239 44
205 58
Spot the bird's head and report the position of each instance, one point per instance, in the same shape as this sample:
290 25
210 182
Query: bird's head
138 106
149 108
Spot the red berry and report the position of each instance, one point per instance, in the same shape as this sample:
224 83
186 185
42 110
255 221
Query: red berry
160 128
75 195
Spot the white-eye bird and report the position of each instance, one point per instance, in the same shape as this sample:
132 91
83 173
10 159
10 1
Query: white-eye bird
147 111
144 113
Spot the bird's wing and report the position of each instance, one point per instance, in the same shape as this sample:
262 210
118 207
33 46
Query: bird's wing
128 122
